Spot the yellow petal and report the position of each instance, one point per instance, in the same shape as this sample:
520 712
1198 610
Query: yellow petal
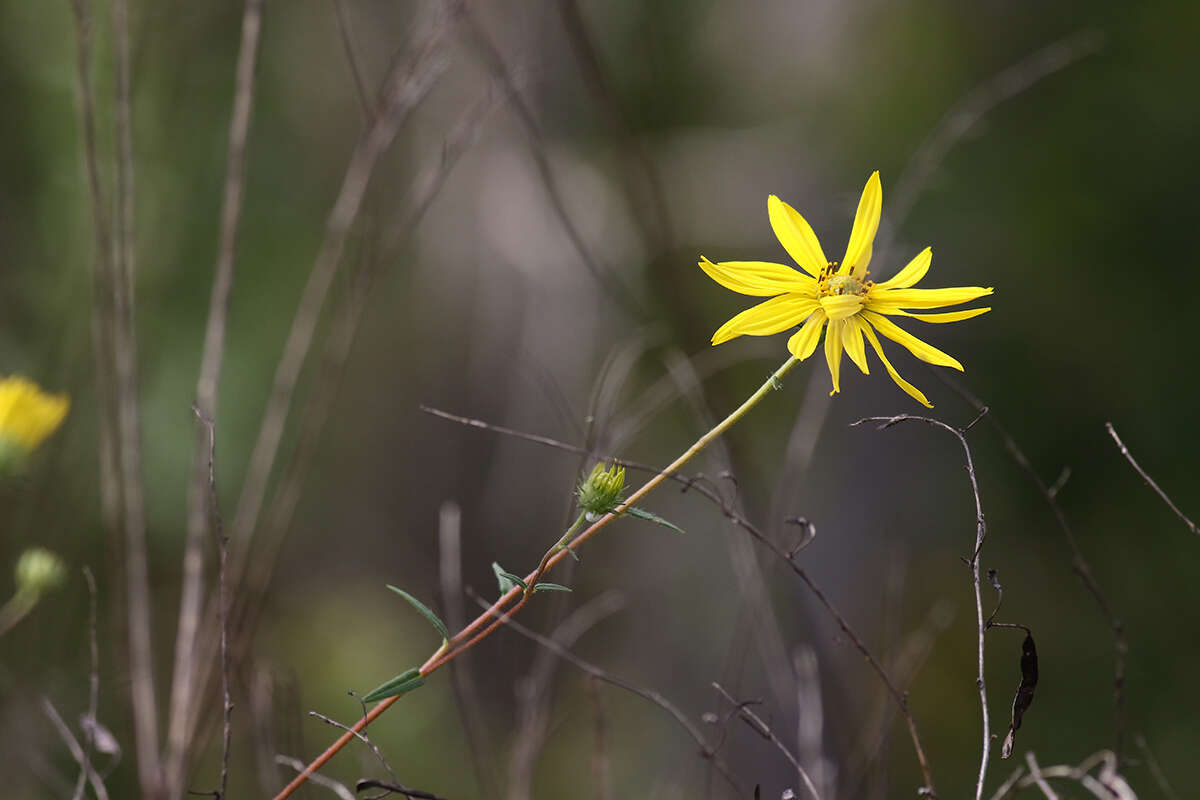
833 351
852 340
911 274
903 384
796 236
923 298
774 315
804 341
949 316
840 306
866 223
923 351
759 278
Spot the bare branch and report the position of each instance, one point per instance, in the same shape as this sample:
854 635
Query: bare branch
77 751
764 730
650 695
980 536
200 503
1149 481
1078 563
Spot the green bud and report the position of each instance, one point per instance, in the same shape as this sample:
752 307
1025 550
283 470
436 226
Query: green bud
601 492
39 570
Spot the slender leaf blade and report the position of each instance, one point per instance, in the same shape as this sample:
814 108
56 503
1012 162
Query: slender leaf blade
551 587
401 684
642 513
425 611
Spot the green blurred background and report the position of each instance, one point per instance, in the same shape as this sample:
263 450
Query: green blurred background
664 134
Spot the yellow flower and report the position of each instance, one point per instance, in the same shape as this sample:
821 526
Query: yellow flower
841 294
27 415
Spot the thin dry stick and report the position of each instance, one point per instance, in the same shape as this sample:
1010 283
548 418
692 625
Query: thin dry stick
533 718
89 730
764 730
973 107
365 104
462 684
693 484
320 403
599 739
199 507
77 751
101 322
362 737
707 751
141 650
1149 481
494 61
980 535
1078 563
329 783
656 227
214 508
1035 773
406 87
1159 776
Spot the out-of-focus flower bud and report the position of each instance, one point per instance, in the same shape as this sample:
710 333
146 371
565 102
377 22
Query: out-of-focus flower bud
39 570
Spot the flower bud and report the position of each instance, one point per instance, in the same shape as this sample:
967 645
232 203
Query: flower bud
39 570
601 491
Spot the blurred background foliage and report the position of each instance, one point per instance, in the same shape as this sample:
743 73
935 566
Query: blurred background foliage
1075 199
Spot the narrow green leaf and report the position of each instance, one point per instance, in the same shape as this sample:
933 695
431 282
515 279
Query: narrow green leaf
506 580
425 611
642 513
516 579
402 683
550 587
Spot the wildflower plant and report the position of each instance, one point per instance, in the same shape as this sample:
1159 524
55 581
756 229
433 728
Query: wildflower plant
836 297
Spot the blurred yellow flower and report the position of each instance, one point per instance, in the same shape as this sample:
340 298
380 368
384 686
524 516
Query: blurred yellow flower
842 295
27 415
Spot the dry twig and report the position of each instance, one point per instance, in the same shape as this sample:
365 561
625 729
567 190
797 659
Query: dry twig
1149 481
973 562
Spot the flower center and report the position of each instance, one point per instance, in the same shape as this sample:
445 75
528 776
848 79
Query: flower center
841 295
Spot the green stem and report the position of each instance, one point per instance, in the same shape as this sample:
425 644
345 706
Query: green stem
571 531
16 608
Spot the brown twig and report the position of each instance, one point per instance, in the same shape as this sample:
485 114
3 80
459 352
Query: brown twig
77 751
972 107
1149 481
980 536
141 650
764 730
533 692
494 61
692 484
89 730
1079 564
650 695
365 103
1159 776
461 682
599 739
405 87
222 597
102 269
199 503
1035 773
336 787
